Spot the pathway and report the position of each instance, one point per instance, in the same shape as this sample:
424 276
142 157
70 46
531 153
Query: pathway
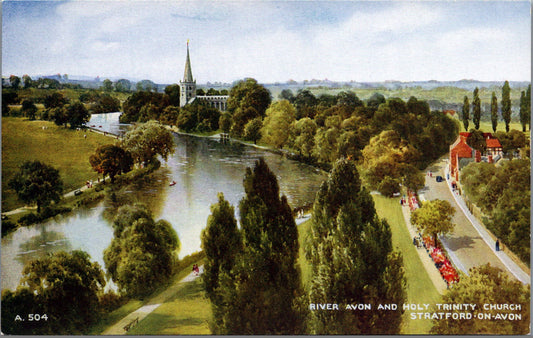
470 244
427 262
151 305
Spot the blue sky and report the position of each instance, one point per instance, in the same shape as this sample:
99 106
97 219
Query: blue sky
270 40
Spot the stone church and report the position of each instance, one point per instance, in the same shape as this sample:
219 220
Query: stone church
188 90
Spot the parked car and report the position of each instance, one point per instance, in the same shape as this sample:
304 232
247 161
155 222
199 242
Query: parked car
77 192
439 178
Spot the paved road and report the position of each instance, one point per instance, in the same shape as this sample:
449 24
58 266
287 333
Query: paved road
467 247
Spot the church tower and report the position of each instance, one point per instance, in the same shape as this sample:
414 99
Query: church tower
188 85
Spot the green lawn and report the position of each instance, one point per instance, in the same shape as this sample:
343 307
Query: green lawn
486 126
185 311
64 149
420 289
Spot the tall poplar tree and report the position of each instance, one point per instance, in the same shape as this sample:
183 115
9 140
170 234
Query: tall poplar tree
506 104
350 250
466 112
476 109
494 112
528 105
262 293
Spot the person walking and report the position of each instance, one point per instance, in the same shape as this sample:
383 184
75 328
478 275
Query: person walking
497 244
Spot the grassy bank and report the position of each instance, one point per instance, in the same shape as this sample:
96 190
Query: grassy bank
65 149
175 298
420 289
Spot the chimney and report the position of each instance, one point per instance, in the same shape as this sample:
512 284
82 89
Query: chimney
478 155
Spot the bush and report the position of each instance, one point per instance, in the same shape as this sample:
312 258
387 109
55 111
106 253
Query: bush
29 219
110 301
7 226
389 186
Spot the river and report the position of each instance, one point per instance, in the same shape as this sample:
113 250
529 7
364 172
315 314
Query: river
201 167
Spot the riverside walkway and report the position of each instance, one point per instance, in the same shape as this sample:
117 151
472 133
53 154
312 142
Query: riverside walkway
470 245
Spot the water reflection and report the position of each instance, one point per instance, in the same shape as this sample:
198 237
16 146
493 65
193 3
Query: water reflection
201 168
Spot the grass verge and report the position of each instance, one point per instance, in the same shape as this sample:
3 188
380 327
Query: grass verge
420 289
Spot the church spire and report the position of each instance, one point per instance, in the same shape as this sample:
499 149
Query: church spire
187 76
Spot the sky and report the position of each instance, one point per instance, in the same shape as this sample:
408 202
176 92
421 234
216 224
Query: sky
271 41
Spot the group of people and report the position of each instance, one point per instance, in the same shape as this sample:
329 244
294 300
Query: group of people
196 270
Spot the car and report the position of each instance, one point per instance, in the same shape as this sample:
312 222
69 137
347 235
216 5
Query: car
439 178
78 192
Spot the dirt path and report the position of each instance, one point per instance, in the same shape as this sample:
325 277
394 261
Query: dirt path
151 305
470 244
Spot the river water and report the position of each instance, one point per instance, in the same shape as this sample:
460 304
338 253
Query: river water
201 167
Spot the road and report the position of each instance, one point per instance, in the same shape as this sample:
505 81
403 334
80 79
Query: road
470 244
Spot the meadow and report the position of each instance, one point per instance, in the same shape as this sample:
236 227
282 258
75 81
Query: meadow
65 149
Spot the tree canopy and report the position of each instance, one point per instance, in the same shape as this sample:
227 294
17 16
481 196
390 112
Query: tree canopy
350 250
62 286
111 160
37 183
276 126
486 285
142 253
148 140
433 218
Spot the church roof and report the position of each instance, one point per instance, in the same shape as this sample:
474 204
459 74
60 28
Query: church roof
187 76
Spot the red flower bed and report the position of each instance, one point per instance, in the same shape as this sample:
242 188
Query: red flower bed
447 271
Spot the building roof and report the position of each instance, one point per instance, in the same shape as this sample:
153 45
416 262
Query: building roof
462 149
493 143
187 76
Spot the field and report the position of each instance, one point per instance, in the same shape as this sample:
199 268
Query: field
62 148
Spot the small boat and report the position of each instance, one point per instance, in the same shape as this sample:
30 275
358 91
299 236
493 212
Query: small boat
172 183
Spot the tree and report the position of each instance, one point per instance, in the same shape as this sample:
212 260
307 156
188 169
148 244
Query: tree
107 85
302 136
142 253
476 109
15 81
123 86
524 110
477 141
286 94
221 242
305 103
252 130
433 218
37 183
173 92
225 122
528 105
466 112
506 104
77 114
349 99
413 179
276 127
28 82
106 104
29 109
246 94
375 100
385 155
147 85
486 285
111 160
350 251
494 112
169 115
265 277
55 100
62 286
148 140
389 186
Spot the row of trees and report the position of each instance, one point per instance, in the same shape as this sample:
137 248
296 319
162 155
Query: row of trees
525 108
41 83
251 276
389 138
503 193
